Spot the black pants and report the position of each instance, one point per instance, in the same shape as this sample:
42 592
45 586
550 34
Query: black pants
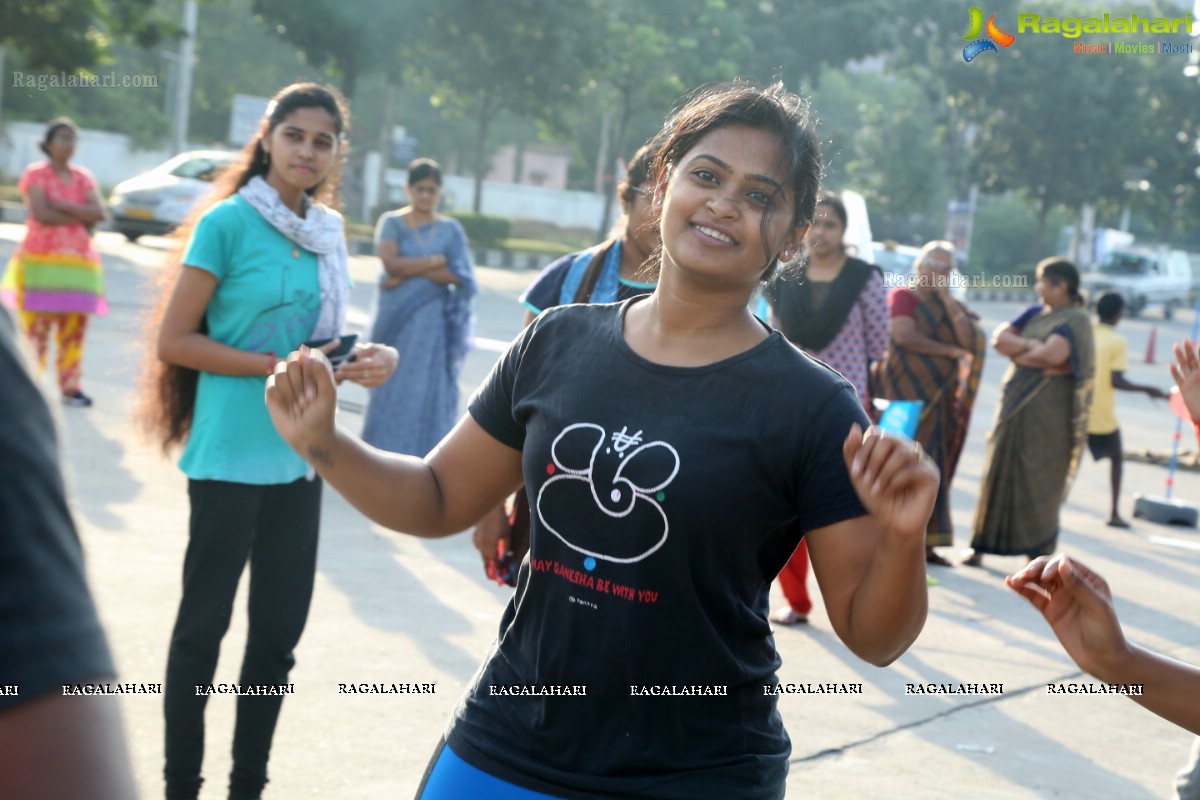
275 528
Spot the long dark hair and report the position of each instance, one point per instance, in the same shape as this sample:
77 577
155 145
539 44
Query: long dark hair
167 395
774 110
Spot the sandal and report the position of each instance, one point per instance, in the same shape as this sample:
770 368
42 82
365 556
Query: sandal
932 557
973 560
788 616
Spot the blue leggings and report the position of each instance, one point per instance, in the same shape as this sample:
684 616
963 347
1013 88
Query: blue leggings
451 778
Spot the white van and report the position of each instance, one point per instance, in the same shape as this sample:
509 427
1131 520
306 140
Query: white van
1144 277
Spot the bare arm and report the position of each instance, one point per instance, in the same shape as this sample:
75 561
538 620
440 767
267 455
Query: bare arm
1119 381
904 333
55 746
1007 341
88 213
964 327
1077 604
43 211
466 475
871 569
1051 354
180 341
398 266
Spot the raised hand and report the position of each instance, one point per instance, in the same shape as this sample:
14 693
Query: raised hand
301 398
1077 604
1186 372
893 477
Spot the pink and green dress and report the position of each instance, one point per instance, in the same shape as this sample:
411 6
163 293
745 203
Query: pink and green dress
56 269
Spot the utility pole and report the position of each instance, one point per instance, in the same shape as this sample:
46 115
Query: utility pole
183 86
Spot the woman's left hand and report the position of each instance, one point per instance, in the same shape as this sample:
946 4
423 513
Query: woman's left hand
894 478
373 364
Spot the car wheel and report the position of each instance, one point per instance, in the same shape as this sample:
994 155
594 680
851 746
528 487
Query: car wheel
132 236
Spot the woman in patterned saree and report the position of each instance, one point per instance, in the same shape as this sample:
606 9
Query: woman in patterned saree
1041 423
935 356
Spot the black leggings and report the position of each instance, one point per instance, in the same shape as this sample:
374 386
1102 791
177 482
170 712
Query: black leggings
275 528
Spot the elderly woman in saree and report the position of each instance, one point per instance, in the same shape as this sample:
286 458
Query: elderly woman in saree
425 311
1041 422
935 358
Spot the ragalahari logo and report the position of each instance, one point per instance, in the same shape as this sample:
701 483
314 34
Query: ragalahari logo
994 37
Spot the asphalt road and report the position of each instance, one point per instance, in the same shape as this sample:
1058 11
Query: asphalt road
393 609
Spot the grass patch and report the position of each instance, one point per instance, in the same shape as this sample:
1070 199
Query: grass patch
10 194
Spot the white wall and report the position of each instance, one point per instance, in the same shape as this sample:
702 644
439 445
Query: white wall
563 207
110 156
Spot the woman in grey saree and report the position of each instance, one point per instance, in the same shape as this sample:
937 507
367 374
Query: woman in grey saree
1041 422
424 310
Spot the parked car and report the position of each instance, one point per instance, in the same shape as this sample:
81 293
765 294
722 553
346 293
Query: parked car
156 202
897 261
1145 277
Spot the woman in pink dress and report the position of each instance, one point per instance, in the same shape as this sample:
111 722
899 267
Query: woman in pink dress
54 278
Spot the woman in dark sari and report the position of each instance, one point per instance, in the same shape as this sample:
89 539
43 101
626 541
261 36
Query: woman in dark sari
935 357
1041 423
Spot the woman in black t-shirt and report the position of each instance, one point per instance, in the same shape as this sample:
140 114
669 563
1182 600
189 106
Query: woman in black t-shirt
667 445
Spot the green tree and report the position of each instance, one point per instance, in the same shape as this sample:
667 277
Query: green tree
74 35
1049 123
522 57
1166 146
654 55
352 37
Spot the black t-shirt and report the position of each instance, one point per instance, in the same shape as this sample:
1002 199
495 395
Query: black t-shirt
661 502
49 632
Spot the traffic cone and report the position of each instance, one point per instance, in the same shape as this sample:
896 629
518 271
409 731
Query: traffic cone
1151 343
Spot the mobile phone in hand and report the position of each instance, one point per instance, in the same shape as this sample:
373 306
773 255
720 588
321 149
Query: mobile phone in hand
343 350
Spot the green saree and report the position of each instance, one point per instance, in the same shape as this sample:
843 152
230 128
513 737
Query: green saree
1035 446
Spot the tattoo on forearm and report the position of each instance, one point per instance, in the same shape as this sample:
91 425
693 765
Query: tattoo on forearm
321 456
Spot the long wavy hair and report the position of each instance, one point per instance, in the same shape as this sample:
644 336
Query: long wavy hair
167 392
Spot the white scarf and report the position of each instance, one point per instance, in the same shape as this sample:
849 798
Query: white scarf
322 231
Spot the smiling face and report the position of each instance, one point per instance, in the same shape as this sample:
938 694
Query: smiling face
303 148
726 215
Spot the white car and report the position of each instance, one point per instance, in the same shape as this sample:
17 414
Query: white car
156 202
1144 277
897 260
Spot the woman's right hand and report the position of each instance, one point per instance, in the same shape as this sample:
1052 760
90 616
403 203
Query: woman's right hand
301 398
488 534
1077 604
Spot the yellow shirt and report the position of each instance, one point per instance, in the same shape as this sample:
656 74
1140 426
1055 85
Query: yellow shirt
1110 357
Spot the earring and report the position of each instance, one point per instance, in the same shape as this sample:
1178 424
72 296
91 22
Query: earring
266 157
787 256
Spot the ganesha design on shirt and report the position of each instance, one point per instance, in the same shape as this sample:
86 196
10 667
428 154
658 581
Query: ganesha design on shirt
604 496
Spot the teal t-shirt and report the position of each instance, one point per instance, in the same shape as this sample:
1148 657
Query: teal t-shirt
267 301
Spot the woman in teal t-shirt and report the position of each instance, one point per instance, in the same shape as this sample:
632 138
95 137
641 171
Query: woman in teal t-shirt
265 269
